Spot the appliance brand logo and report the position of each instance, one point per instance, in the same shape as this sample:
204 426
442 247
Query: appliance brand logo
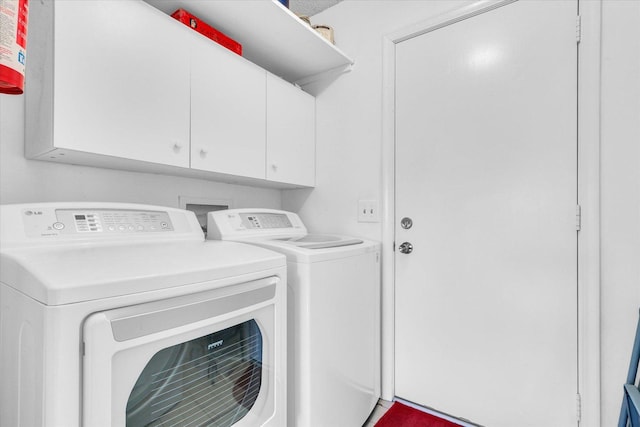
29 213
215 345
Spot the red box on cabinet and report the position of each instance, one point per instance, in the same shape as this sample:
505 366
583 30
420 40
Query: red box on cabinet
207 30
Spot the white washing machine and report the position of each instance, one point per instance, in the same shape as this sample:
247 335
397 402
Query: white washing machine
333 309
123 315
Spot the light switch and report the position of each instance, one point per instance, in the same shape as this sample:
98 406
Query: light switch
368 211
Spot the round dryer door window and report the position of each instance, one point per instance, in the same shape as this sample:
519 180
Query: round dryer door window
213 380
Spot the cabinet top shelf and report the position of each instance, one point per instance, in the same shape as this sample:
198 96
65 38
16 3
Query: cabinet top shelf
271 35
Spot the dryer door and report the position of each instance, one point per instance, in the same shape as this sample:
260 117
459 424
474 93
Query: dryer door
203 359
216 377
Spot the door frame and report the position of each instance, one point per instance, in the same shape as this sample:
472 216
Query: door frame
588 195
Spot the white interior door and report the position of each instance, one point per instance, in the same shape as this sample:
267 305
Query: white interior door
486 303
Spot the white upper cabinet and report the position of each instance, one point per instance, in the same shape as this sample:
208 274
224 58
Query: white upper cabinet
120 81
228 102
122 85
290 133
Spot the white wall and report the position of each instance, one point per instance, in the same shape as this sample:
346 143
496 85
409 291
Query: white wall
620 196
349 111
23 180
349 154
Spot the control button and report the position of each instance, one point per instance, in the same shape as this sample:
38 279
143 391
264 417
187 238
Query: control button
122 227
131 227
58 225
164 224
111 228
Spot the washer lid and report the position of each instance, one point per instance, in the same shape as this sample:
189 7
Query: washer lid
320 241
342 248
70 274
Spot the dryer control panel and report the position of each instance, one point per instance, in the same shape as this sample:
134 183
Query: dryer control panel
72 221
97 221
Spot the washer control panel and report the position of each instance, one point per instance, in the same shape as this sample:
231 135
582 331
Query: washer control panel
94 221
244 223
264 220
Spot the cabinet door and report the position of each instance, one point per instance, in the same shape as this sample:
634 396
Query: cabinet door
227 111
290 133
121 81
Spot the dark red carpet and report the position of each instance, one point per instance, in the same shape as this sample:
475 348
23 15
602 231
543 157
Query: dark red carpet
400 415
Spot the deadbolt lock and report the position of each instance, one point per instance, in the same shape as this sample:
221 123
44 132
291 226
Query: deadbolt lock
406 223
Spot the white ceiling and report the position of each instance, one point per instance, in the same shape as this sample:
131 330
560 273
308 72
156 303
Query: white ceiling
310 7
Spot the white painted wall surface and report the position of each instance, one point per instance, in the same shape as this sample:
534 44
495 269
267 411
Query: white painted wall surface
23 180
349 154
620 196
349 112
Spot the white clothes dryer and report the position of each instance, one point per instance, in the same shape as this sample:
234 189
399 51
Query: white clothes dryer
333 314
123 315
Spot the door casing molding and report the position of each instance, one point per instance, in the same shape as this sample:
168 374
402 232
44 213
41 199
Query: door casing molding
588 196
589 102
